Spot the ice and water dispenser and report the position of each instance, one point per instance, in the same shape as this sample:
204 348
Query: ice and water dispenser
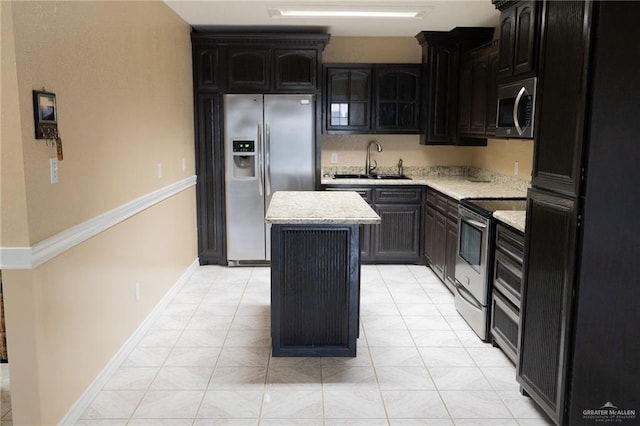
244 159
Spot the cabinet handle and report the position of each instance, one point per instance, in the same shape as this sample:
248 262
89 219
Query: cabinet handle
260 184
266 156
516 108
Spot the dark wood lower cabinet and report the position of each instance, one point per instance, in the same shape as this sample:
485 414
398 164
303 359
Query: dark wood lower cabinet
507 287
398 236
397 239
547 299
430 231
451 250
441 236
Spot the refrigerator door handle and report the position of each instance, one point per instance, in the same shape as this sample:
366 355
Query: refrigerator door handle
266 156
260 159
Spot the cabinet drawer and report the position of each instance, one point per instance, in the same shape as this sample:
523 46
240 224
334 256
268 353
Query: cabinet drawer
402 196
432 197
504 325
443 203
365 193
510 242
452 210
507 277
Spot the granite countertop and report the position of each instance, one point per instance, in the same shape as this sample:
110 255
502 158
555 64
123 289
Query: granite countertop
456 187
513 218
319 207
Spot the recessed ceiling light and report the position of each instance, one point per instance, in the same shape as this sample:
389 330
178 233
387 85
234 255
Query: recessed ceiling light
346 14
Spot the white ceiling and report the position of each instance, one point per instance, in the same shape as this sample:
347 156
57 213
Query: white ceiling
442 15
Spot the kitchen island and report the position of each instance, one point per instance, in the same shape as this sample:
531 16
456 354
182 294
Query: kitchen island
315 271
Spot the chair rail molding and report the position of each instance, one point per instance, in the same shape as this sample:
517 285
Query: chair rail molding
45 250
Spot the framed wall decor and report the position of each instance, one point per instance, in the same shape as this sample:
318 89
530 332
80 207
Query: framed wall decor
45 113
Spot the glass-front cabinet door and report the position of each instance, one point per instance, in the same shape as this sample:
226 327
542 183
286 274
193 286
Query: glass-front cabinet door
348 100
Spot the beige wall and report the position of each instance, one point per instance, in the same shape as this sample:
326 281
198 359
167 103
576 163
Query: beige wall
115 68
122 75
499 155
14 229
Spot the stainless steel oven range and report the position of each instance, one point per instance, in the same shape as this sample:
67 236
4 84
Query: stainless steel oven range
474 260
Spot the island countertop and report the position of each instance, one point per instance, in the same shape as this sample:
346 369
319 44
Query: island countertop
319 207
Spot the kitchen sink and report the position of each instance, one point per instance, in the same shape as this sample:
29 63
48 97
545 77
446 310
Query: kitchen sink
349 176
403 177
373 176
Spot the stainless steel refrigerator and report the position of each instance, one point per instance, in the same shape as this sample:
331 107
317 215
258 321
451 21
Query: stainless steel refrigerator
269 147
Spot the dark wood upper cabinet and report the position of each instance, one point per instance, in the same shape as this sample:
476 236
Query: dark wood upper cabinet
441 60
249 69
372 98
492 93
258 63
477 96
561 100
397 98
518 38
506 47
465 89
348 99
479 90
207 64
296 69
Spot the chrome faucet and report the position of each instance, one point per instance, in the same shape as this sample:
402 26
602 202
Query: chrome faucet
367 165
400 168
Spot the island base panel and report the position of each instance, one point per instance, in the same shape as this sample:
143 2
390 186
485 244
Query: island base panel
315 290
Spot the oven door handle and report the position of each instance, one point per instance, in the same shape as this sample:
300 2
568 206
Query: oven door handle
463 292
475 223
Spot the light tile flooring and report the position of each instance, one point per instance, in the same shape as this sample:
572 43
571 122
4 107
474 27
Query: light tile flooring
206 361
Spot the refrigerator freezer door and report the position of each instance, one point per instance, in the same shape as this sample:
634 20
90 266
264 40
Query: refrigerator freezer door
289 146
244 194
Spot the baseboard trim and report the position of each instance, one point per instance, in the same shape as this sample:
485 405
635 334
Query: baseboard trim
32 257
75 412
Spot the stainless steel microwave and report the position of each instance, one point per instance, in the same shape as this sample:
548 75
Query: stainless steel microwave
516 109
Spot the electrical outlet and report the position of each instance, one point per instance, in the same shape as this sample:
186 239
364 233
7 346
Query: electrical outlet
159 170
334 158
184 164
516 168
137 291
53 169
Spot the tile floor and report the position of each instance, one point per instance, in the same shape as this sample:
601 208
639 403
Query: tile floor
206 361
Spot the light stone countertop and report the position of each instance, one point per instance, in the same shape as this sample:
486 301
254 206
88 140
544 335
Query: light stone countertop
319 207
456 187
513 218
